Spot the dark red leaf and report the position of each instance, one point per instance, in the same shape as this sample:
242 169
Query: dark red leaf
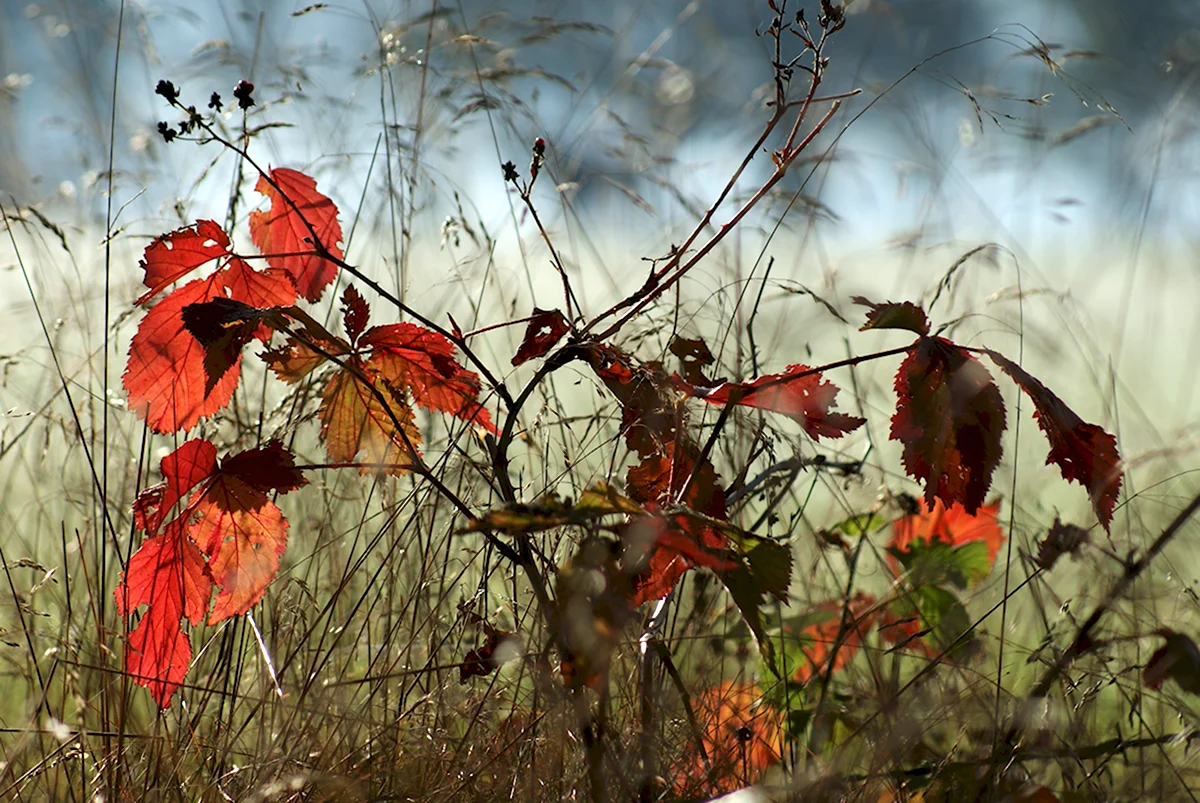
1062 539
894 315
694 358
285 232
798 392
1084 453
1178 659
545 329
355 313
949 416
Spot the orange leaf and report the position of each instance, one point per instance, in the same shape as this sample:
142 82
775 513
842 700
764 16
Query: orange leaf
949 416
742 736
284 234
952 525
860 615
353 420
796 393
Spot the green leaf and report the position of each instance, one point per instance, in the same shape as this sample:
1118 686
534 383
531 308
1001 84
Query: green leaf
939 563
862 524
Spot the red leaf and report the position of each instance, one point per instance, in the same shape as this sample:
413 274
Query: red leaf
545 329
949 416
173 256
422 361
681 542
229 520
166 376
894 315
355 313
285 233
169 575
951 525
1179 659
1084 453
694 357
860 613
798 392
182 470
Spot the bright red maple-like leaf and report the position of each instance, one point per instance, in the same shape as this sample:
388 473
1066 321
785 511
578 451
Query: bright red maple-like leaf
951 525
860 612
173 256
166 376
1084 453
228 534
798 392
546 328
949 416
284 233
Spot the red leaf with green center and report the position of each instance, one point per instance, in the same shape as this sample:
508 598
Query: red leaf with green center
949 416
1084 453
798 392
951 525
285 232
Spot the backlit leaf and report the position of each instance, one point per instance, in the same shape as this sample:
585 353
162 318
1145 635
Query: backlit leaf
422 361
951 525
166 375
798 392
545 329
354 419
173 256
284 233
894 315
949 416
227 534
1084 453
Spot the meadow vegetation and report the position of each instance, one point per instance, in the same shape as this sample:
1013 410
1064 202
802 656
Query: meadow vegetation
339 491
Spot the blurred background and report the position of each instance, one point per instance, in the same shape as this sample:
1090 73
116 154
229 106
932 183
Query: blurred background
1046 149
